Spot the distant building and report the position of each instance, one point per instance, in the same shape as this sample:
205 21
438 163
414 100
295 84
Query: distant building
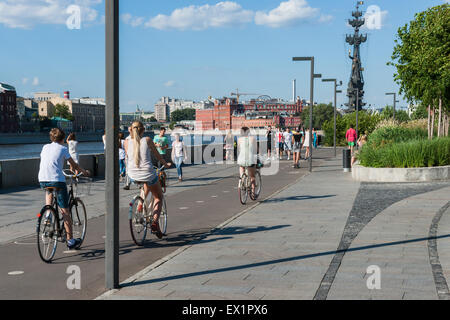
88 113
166 106
229 114
8 109
162 112
28 113
138 115
45 96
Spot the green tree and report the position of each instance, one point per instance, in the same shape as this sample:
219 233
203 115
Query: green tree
63 111
366 122
421 57
419 112
183 114
400 115
321 113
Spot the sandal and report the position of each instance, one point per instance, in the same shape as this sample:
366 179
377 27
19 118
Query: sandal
156 230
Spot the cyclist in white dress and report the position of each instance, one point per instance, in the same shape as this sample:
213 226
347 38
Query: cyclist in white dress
140 169
247 155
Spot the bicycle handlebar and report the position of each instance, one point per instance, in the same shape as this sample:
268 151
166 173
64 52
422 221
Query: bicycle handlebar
71 174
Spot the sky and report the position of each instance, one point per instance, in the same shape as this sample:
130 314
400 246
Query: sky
199 48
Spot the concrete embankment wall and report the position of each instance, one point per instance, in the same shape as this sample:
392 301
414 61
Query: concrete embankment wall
40 138
24 172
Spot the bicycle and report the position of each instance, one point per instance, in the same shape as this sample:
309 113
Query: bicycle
245 185
162 178
141 221
50 225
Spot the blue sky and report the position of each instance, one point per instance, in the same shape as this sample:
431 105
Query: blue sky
196 49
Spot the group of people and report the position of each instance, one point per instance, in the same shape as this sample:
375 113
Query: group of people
353 141
290 141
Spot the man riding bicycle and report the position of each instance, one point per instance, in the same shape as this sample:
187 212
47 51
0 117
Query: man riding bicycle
51 176
140 169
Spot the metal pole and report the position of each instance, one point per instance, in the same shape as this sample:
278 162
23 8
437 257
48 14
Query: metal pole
335 106
112 144
311 115
395 98
357 113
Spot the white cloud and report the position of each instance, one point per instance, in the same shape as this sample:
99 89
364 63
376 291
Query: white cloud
289 13
326 18
169 83
35 81
131 20
26 14
25 80
222 14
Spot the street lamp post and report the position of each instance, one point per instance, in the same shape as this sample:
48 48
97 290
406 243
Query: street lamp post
336 85
112 143
395 100
313 76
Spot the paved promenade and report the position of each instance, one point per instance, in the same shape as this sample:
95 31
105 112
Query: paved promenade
315 239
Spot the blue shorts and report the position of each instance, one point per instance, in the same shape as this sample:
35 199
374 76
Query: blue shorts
62 196
150 183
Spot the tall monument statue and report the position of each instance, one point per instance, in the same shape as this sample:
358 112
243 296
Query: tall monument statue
355 91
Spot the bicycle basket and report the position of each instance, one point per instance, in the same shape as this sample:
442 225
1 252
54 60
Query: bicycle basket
83 187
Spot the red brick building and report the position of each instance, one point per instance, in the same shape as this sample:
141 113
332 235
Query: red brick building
8 109
227 113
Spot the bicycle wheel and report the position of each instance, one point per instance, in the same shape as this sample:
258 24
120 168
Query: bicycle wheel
163 218
79 219
47 234
243 192
258 185
138 225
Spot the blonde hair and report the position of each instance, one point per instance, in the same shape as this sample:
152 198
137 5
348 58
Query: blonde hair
137 129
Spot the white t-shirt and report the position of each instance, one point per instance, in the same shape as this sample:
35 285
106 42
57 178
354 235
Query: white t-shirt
178 149
287 138
52 162
122 154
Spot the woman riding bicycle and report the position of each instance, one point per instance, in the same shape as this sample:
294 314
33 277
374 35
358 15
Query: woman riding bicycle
247 155
140 168
51 176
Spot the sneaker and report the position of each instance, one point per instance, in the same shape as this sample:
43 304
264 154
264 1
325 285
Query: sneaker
73 244
156 230
126 188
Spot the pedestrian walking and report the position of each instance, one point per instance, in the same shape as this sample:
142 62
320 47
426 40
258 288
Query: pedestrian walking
351 138
122 156
314 138
229 146
297 140
287 137
179 154
280 143
162 143
306 145
73 150
269 142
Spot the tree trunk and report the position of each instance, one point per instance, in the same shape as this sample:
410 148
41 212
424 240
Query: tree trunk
446 125
440 118
428 122
432 122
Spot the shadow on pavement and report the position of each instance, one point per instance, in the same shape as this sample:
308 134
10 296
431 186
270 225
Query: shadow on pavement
179 239
298 198
271 262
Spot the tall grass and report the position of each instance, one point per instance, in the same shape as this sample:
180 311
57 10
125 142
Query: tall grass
415 153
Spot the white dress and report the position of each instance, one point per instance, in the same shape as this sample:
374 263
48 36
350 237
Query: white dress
306 143
73 150
145 171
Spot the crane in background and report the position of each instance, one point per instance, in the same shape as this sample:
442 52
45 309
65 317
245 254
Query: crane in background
239 94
